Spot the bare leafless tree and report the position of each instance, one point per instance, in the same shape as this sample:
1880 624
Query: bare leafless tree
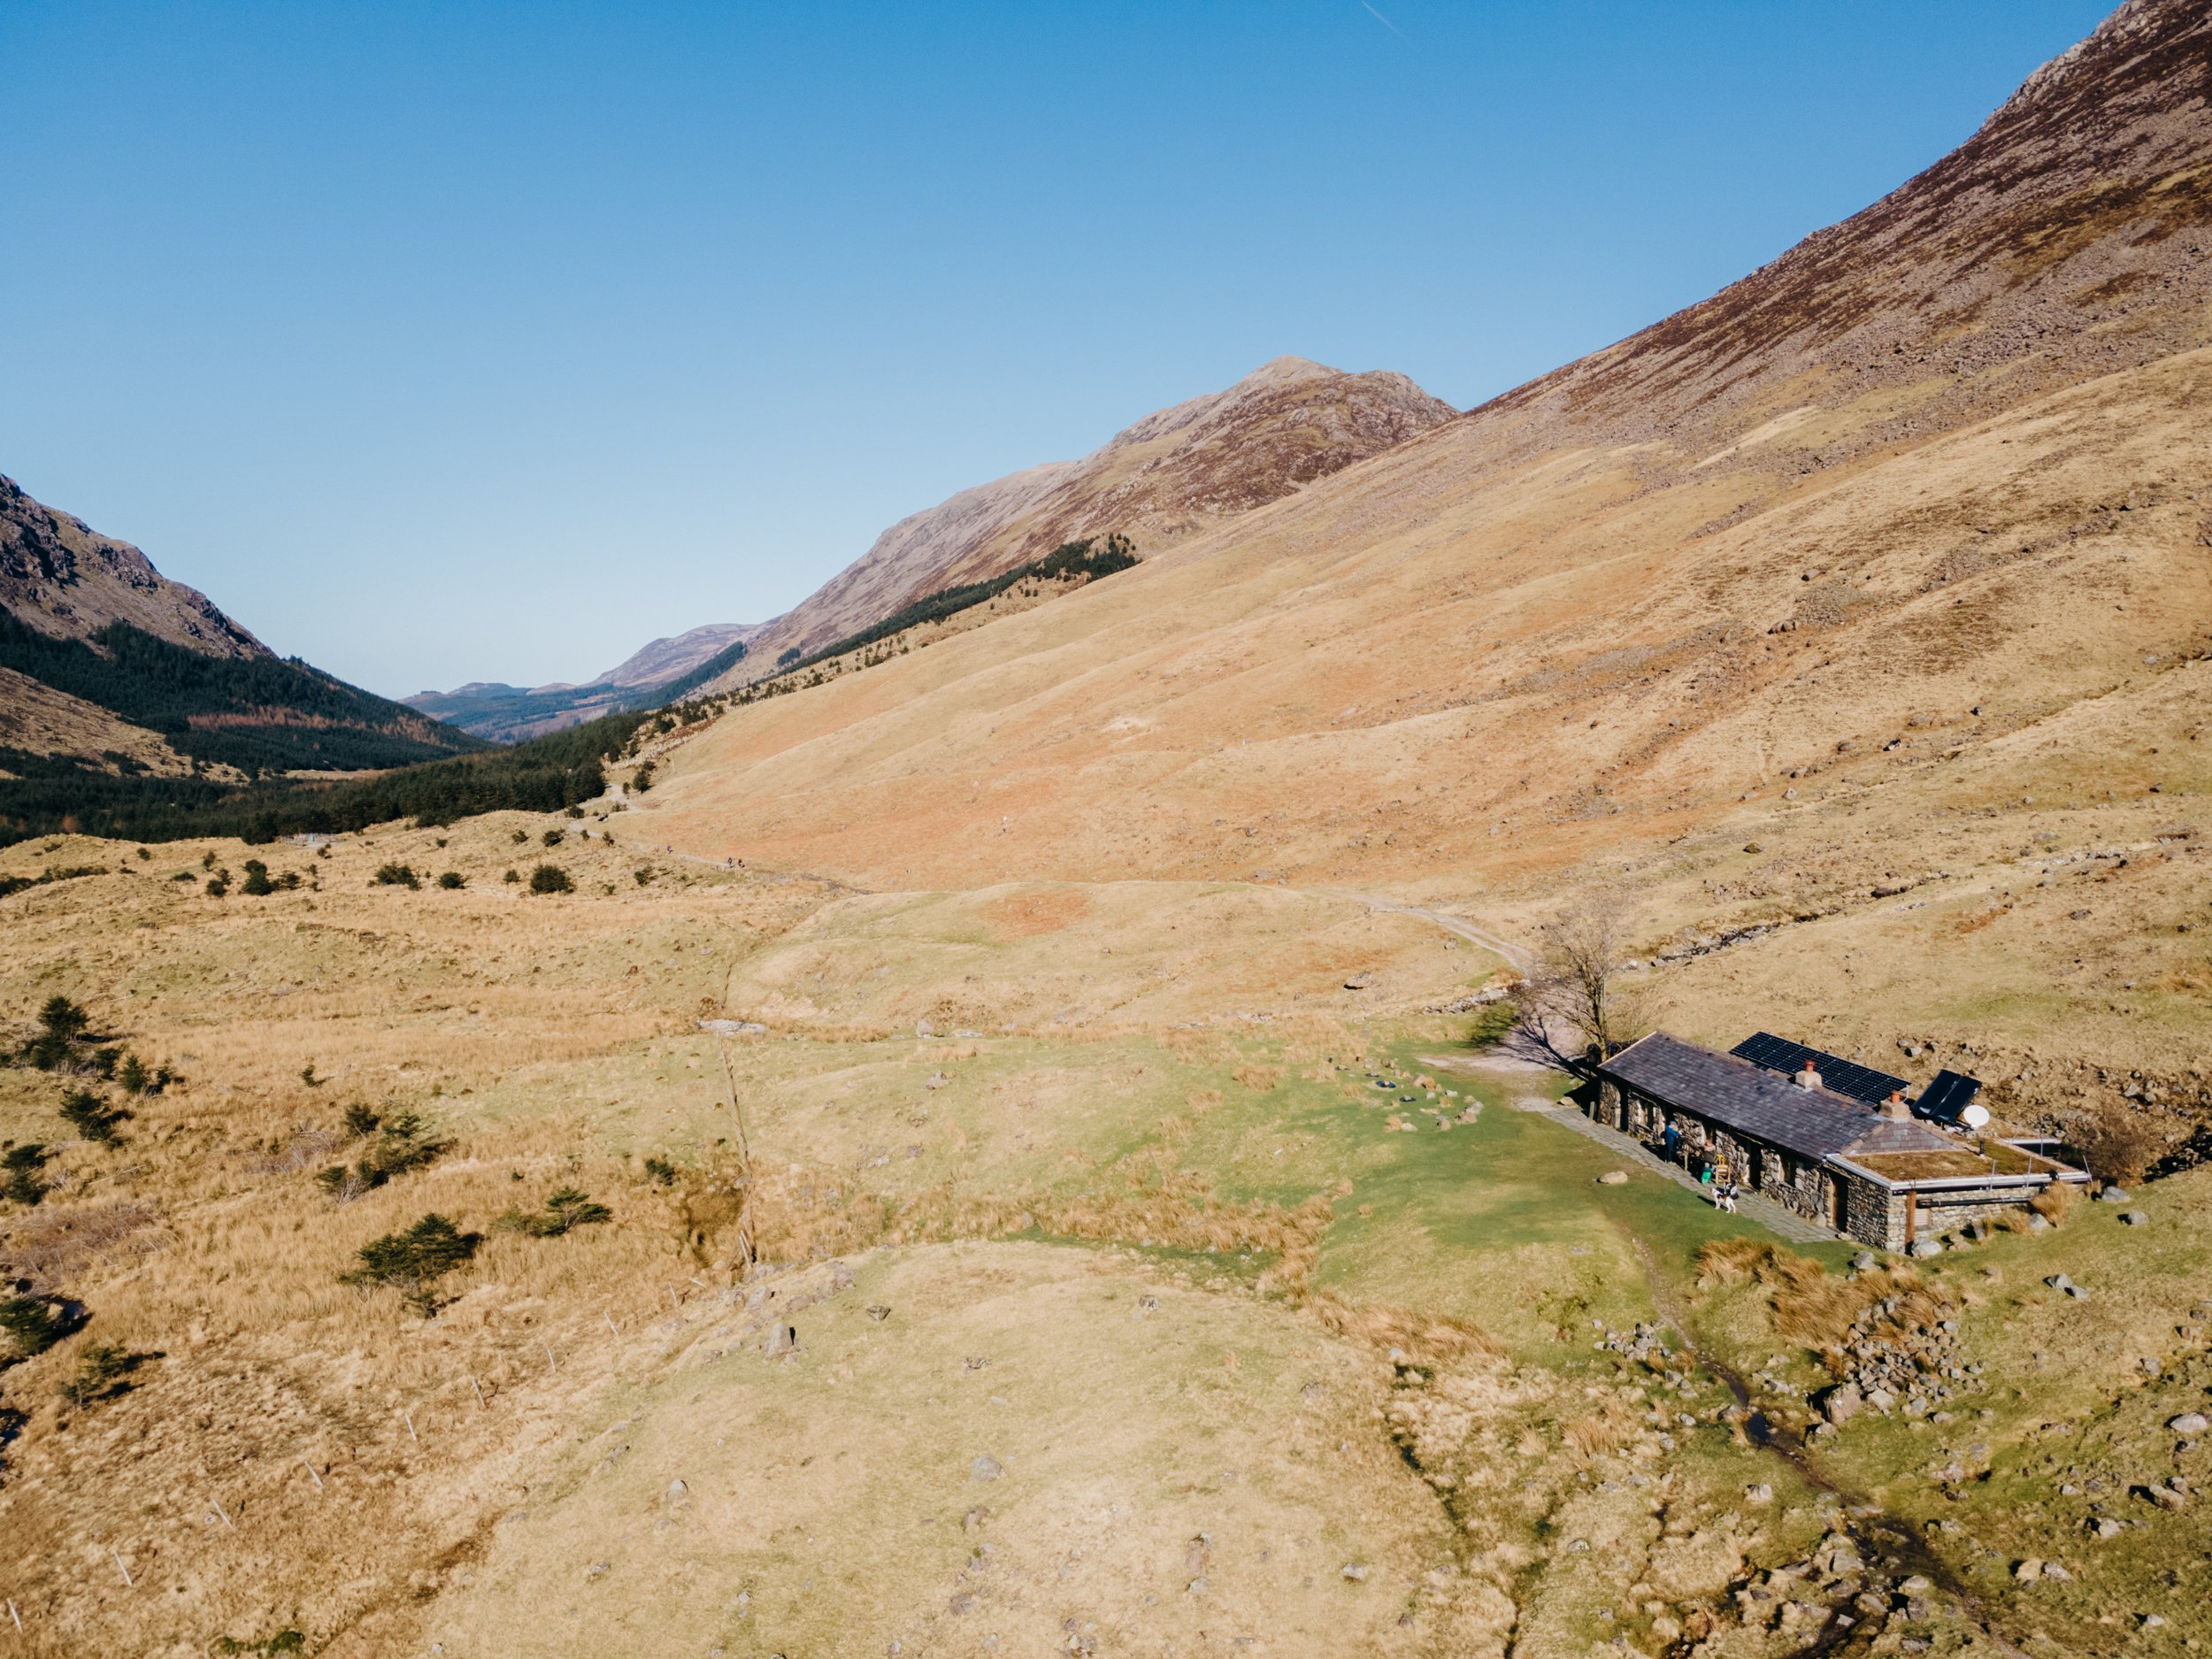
1570 1011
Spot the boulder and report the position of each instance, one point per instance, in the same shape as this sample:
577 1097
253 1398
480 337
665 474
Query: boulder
2029 1570
2113 1195
1842 1404
2189 1423
2133 1218
985 1468
1614 1177
1924 1247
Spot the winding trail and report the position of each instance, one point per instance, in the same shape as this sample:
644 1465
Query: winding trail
1473 934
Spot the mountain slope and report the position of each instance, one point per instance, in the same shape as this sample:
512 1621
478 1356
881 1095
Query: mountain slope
660 671
1159 482
134 673
1760 605
64 578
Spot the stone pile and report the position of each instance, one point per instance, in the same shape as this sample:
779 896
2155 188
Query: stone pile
1643 1343
1900 1351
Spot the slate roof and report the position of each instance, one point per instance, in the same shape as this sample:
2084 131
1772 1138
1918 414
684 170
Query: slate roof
1838 1075
1814 1123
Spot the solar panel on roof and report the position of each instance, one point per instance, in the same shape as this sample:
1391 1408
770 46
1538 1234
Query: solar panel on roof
1841 1076
1947 1096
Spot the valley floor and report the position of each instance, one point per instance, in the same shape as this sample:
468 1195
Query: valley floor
1104 1302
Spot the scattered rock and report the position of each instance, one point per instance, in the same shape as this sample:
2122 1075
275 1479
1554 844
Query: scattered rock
2029 1570
1761 1492
1355 1571
879 1314
985 1468
963 1603
1924 1247
1614 1177
2133 1218
2189 1423
1842 1404
2113 1195
975 1518
2105 1526
1359 982
781 1340
677 1490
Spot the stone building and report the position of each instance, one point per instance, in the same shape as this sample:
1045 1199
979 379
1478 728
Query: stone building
1811 1140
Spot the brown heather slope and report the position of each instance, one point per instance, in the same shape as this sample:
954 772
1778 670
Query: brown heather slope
1823 553
60 576
1159 481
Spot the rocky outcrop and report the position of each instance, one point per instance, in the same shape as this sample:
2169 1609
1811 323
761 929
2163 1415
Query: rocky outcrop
62 577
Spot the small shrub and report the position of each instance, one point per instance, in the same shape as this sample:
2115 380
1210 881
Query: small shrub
102 1369
643 781
258 884
660 1172
19 1171
91 1116
143 854
63 1028
207 859
567 1207
644 877
554 837
396 876
412 1261
453 881
512 874
2054 1201
2118 1142
217 888
576 812
550 879
520 836
31 1323
286 1640
402 1142
135 1076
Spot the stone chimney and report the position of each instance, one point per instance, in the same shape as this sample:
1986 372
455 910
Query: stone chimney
1809 1078
1894 1108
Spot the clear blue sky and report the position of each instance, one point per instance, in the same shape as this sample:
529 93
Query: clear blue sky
451 342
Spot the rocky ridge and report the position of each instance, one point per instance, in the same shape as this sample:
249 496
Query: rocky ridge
1159 481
